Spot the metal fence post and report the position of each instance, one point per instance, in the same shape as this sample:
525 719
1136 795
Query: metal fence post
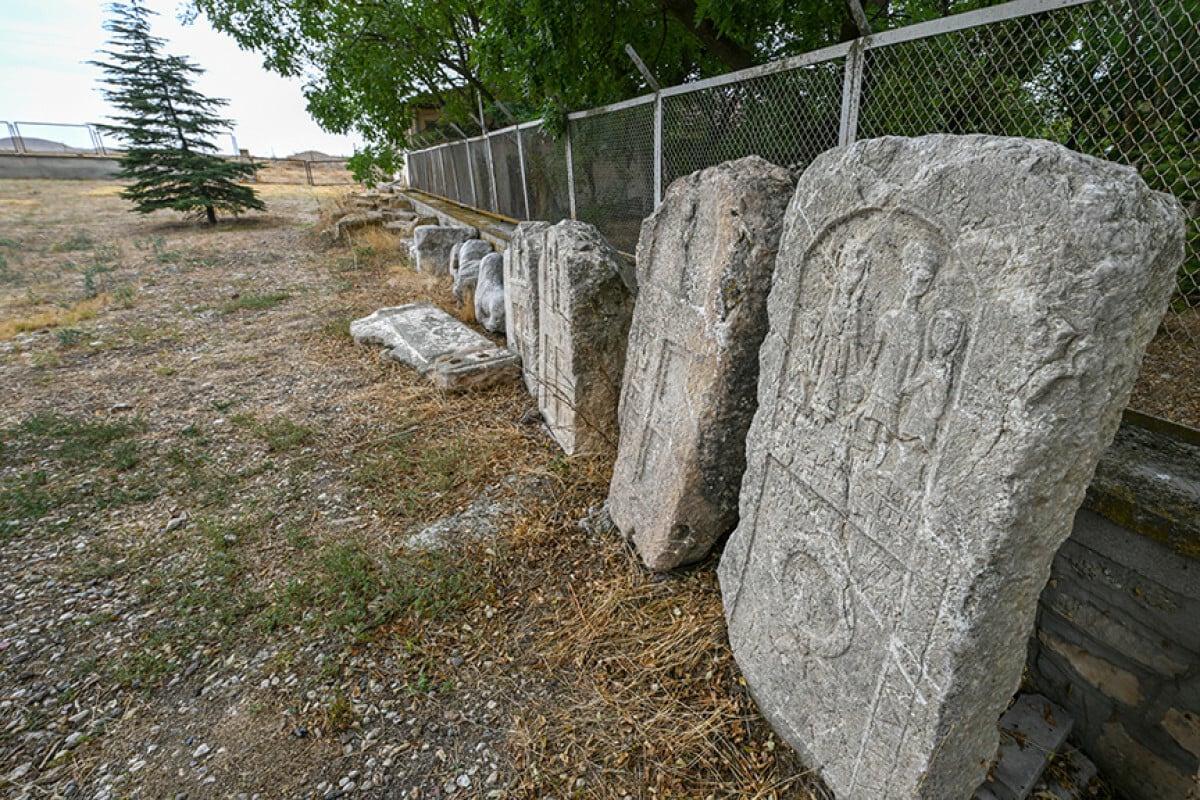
570 173
658 147
491 164
445 186
521 162
471 174
852 93
458 195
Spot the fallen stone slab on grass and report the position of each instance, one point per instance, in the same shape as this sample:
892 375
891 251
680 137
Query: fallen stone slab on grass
437 345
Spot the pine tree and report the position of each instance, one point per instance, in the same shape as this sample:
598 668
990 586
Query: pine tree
166 125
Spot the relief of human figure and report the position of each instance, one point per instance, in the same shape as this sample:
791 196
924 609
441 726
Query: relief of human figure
834 368
929 389
896 352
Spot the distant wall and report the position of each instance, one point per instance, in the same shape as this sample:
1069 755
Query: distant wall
1118 630
56 166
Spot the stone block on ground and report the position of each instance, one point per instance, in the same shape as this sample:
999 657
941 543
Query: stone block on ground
476 369
466 269
521 265
409 230
489 293
704 260
354 221
954 328
432 246
418 334
584 310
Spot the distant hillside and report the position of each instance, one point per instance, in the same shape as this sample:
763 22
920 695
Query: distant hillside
35 145
312 155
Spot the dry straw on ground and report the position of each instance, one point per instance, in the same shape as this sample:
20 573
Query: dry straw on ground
206 491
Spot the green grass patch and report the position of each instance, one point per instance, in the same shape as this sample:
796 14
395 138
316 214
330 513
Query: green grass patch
355 590
255 301
76 241
416 473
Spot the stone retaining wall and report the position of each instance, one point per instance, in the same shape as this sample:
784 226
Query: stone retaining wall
1118 628
71 167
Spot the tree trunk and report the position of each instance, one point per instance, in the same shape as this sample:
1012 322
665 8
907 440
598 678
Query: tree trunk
210 214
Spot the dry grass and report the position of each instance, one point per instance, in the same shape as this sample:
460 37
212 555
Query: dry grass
305 464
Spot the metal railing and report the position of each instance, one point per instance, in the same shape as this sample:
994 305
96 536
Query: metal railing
1117 79
52 138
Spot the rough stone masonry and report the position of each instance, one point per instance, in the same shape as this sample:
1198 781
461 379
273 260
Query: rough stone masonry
954 328
704 259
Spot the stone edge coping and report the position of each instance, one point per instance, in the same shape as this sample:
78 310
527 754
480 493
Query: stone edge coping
1148 481
492 229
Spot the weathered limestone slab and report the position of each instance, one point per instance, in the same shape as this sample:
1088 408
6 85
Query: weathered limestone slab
354 221
476 369
408 230
521 265
432 245
584 310
705 258
466 271
955 325
489 293
417 334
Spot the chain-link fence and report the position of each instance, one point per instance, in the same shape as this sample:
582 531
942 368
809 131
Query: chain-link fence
1116 79
314 172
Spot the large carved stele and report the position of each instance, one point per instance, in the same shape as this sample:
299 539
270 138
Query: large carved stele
521 265
704 261
584 310
954 329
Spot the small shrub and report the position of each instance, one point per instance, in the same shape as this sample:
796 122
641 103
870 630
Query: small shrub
68 337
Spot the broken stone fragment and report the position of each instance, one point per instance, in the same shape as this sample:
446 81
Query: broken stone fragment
417 334
584 313
489 293
432 246
467 272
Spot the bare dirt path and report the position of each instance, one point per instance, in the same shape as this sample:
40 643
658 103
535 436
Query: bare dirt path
206 490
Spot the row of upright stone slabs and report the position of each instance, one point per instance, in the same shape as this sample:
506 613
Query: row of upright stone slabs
704 259
954 327
568 318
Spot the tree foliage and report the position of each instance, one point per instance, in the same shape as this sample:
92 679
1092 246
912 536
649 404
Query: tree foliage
371 63
166 125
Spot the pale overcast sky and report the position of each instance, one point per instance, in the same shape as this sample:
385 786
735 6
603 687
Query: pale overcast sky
44 45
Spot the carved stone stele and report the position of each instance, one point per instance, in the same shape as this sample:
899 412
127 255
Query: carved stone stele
955 326
704 260
584 310
521 265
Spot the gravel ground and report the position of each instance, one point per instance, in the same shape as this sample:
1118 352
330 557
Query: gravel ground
207 497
